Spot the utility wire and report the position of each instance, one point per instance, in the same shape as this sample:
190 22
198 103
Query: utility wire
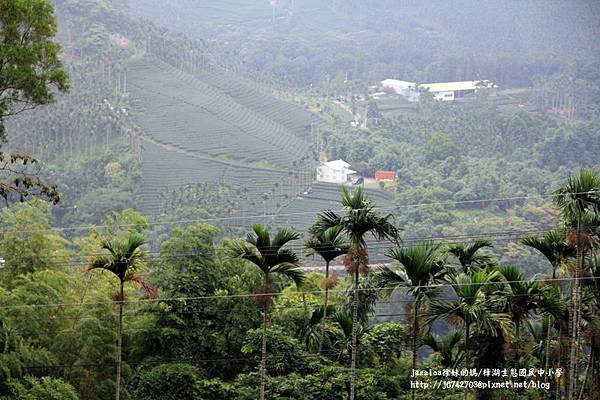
372 244
274 294
262 216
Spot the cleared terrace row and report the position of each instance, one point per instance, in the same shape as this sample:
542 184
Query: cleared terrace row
292 116
164 169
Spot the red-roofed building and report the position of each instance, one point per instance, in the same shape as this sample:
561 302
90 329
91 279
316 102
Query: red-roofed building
385 176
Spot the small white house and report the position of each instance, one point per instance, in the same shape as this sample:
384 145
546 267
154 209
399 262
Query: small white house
334 172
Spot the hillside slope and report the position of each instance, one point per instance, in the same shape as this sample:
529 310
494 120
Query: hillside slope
199 129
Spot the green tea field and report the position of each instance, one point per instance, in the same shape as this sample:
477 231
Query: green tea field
213 128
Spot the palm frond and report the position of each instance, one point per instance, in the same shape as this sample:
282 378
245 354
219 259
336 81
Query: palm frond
244 250
259 237
344 321
421 265
124 255
446 346
283 256
328 244
469 255
101 262
388 280
432 340
134 241
283 236
581 193
446 310
325 220
138 278
552 245
551 302
291 271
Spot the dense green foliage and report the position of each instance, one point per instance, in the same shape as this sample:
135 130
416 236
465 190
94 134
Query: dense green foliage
202 337
30 75
40 389
29 57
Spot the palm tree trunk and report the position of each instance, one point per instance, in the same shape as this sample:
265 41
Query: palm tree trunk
547 356
517 333
354 325
324 307
263 358
574 318
563 349
549 330
467 354
119 344
414 339
587 370
304 305
595 395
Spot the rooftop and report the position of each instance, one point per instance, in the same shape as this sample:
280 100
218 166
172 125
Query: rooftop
337 164
396 84
456 86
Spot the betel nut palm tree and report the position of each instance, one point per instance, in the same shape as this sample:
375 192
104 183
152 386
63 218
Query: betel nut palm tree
419 267
358 219
272 259
329 245
474 305
554 247
124 259
579 205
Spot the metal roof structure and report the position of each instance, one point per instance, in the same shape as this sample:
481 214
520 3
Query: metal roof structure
456 86
397 85
337 164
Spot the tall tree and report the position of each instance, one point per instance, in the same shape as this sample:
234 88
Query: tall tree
30 67
480 312
273 259
419 267
592 315
523 297
358 219
30 72
124 259
579 205
328 245
552 245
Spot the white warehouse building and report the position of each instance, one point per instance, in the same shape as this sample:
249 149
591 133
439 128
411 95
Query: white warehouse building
444 91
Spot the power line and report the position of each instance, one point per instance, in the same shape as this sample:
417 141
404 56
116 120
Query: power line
176 360
274 294
377 303
261 216
372 244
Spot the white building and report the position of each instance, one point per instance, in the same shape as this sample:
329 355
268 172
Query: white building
448 91
403 88
334 172
444 91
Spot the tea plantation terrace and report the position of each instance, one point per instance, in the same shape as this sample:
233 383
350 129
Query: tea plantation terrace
173 107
